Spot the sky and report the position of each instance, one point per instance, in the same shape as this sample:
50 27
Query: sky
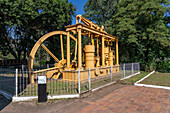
79 5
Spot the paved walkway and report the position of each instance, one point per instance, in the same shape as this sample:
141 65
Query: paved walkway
132 99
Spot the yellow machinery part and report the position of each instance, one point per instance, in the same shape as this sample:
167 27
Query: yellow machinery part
89 56
104 58
39 43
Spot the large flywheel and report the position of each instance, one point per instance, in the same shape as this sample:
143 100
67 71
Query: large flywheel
59 66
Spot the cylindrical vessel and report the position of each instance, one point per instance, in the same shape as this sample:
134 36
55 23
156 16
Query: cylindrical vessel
89 56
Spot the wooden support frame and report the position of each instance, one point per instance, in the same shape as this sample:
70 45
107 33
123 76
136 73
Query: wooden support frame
79 48
93 31
68 49
36 46
103 64
117 54
96 35
62 50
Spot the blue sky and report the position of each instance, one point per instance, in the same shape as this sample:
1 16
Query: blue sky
79 5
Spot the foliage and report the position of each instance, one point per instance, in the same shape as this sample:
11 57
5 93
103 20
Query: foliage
24 21
100 10
141 25
43 62
163 65
2 57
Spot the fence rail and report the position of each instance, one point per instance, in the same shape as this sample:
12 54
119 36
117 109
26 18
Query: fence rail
16 82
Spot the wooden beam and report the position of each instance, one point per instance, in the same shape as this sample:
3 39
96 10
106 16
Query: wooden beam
49 52
68 49
103 51
117 54
62 51
79 49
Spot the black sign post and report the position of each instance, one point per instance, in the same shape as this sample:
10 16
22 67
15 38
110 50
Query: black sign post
42 89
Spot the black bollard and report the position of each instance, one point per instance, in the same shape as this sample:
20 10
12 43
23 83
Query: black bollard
42 89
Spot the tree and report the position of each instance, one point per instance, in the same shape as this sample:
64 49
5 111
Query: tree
23 22
142 29
100 11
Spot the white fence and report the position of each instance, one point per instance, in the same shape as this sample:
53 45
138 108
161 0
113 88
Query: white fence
71 84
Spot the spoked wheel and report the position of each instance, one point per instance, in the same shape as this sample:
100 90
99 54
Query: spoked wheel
53 72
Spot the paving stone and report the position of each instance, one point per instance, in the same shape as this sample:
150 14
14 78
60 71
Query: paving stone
132 99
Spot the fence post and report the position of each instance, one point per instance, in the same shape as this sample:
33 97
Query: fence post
16 83
48 66
22 66
111 72
132 69
22 69
89 80
79 81
124 69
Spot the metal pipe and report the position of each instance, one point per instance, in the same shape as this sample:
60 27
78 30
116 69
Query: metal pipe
16 81
79 81
89 79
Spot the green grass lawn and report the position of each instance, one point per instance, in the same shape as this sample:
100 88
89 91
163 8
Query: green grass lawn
160 79
132 80
67 87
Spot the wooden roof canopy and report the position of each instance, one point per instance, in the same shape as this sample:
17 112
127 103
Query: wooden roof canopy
89 27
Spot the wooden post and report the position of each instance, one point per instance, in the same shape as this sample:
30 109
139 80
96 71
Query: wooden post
97 47
79 48
68 49
62 51
103 51
117 55
92 39
75 51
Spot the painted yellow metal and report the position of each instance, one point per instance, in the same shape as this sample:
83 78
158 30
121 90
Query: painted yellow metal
88 23
97 62
75 54
87 53
92 30
106 56
49 52
42 39
103 64
79 48
110 58
61 42
68 50
92 39
97 47
44 70
36 46
117 57
89 56
117 54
